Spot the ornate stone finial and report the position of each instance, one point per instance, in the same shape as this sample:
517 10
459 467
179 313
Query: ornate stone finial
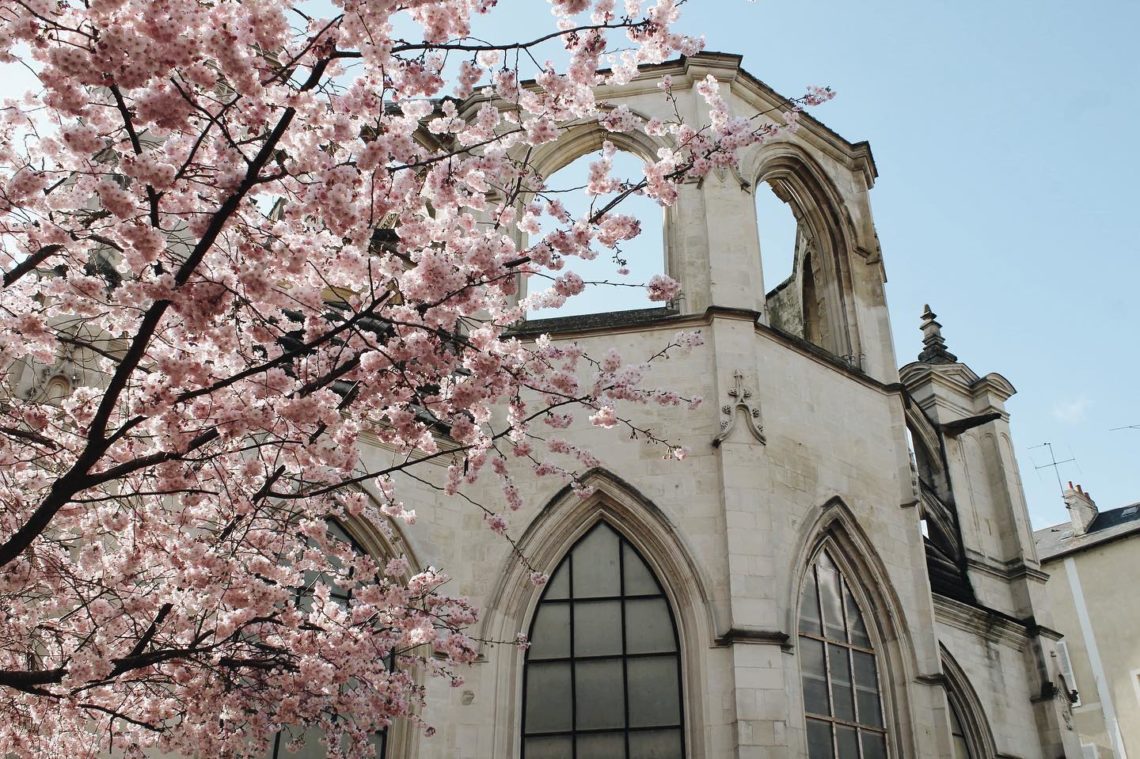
933 346
740 399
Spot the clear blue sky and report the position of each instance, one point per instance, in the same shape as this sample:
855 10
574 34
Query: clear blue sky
1004 132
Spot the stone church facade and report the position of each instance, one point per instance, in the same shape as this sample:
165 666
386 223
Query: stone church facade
799 585
843 566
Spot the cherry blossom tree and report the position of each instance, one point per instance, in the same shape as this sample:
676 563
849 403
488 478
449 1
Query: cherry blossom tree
234 236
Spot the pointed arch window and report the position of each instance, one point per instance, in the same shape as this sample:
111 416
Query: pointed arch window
958 735
838 669
288 744
614 276
603 671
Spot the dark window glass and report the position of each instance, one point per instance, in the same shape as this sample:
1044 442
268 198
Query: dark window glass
597 628
648 626
551 633
596 573
867 688
855 622
559 585
819 740
839 667
809 609
874 745
812 669
653 695
557 747
599 694
846 742
837 670
603 671
548 701
654 744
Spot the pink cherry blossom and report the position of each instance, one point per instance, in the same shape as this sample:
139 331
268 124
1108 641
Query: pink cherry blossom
662 288
240 240
604 417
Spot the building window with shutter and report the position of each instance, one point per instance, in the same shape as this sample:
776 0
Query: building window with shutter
1065 665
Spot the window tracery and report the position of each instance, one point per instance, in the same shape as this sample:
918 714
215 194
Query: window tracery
805 213
838 669
603 675
958 736
970 734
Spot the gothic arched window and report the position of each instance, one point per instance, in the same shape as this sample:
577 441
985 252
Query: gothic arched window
614 276
603 671
287 744
838 668
958 735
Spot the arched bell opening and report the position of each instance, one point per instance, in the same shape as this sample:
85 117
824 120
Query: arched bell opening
615 273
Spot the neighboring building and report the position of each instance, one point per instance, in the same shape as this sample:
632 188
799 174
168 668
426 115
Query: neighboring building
772 595
1092 590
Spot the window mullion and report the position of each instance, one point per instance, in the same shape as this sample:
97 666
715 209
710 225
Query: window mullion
573 674
826 665
844 592
643 662
855 697
624 658
842 643
819 602
830 699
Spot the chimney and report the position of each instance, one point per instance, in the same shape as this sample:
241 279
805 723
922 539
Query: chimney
1082 509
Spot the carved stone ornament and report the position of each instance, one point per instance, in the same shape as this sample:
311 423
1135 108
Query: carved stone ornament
739 400
915 487
54 381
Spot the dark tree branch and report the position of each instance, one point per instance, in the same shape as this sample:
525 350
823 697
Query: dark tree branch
77 478
31 262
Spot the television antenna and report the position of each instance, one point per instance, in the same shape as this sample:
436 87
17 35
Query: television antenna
1053 463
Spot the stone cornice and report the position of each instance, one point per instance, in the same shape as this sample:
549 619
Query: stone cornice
726 67
1009 570
996 384
956 391
985 623
439 458
955 376
751 636
572 328
959 377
